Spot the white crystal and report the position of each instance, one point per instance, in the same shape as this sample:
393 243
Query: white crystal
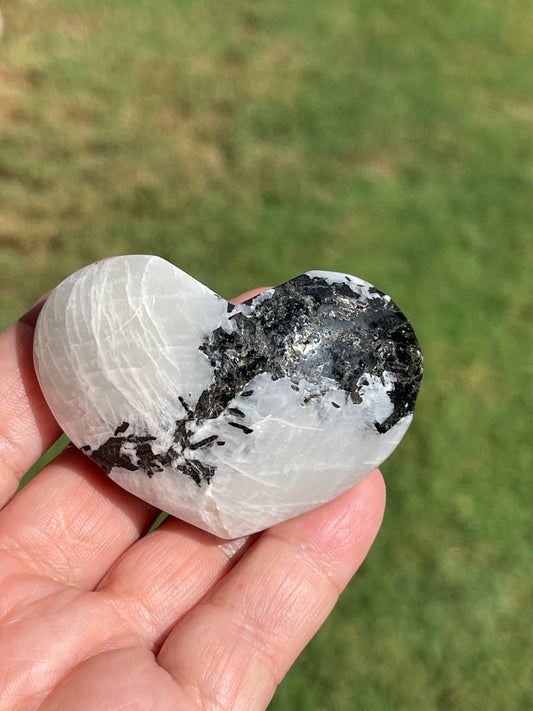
136 360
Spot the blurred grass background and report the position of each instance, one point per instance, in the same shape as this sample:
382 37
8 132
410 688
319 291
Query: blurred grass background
250 141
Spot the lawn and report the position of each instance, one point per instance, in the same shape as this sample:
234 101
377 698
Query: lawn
249 142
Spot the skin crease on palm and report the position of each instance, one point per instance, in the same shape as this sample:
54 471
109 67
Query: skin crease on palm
97 614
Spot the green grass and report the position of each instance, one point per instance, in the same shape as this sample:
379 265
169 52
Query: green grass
251 141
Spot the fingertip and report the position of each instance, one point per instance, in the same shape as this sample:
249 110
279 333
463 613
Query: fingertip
374 489
249 294
341 532
31 316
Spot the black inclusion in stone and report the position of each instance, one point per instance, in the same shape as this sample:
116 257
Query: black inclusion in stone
133 452
122 428
311 329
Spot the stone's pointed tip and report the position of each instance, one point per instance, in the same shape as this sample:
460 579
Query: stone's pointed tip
231 416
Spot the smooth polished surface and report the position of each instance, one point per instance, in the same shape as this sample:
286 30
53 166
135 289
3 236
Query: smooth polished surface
233 418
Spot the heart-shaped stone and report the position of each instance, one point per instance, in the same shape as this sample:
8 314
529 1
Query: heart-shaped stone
233 418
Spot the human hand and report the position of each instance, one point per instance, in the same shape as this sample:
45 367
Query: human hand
97 614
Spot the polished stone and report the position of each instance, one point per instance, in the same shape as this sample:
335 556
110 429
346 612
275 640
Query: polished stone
232 418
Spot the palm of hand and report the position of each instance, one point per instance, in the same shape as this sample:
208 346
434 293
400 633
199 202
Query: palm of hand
96 614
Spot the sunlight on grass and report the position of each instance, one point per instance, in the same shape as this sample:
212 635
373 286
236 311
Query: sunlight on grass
249 142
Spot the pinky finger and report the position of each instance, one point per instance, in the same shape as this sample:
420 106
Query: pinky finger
27 427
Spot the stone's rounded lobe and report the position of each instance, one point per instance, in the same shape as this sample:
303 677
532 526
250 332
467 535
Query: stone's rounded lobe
233 418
